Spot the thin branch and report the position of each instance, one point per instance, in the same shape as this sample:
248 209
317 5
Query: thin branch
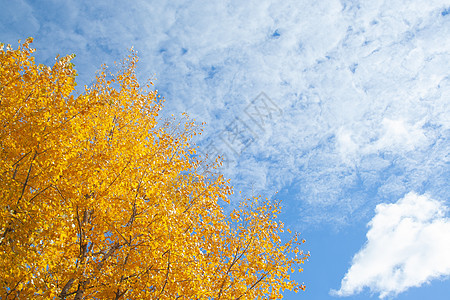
120 294
25 155
66 288
26 180
167 273
235 260
40 192
193 201
255 284
118 175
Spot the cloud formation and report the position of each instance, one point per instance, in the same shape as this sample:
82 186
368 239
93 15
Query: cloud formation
408 244
363 86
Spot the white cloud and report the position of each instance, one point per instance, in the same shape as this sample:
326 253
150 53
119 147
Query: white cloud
395 136
399 136
408 244
347 147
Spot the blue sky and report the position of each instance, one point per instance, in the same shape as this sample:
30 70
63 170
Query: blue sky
342 107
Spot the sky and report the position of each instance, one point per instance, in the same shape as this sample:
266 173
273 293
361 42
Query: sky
339 108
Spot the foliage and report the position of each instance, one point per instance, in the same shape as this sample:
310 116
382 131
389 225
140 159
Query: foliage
100 200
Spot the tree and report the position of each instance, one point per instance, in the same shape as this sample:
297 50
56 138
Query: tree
100 199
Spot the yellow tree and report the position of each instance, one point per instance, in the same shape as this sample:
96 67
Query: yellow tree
99 200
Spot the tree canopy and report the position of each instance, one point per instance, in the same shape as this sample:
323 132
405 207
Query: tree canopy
102 199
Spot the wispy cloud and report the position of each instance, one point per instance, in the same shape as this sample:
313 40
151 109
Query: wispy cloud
408 244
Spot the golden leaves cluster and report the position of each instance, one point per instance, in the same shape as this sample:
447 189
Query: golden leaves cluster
100 200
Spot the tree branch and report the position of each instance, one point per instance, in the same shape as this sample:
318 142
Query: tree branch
26 180
167 273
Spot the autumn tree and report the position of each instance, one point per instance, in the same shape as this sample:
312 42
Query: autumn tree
100 200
